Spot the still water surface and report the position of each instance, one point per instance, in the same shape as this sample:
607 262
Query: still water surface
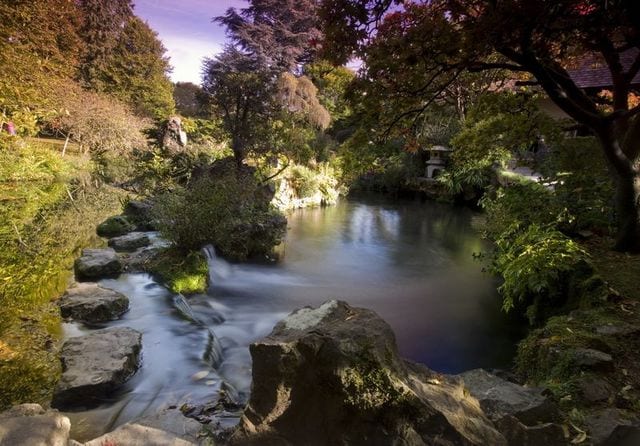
409 261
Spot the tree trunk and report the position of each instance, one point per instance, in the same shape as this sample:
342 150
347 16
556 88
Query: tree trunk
625 166
238 153
628 209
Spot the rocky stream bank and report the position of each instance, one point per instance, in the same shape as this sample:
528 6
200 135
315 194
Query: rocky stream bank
330 375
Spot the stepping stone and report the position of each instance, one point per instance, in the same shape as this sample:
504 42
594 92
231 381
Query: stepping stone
91 303
97 264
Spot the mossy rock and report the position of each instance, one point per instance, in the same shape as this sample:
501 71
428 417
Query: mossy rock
180 272
115 226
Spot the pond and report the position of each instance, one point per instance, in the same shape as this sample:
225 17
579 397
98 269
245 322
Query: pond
410 261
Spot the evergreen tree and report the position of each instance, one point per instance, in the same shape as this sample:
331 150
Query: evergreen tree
104 22
136 71
279 33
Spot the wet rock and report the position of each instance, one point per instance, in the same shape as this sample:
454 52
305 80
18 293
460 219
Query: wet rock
332 375
499 398
133 434
97 263
91 303
30 424
613 427
96 364
115 226
130 241
590 358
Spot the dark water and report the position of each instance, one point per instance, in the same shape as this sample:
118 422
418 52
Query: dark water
409 261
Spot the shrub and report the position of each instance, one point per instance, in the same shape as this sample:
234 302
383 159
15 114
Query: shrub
520 204
227 208
536 264
304 181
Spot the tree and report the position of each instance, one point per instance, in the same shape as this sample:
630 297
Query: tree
39 46
282 34
542 39
136 71
189 99
242 92
104 22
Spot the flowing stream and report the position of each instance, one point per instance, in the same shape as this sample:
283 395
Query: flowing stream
409 261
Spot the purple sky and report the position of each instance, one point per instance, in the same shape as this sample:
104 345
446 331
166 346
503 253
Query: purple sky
186 30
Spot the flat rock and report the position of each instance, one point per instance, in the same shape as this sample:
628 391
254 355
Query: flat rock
133 434
130 241
91 303
499 398
97 263
30 424
332 376
96 364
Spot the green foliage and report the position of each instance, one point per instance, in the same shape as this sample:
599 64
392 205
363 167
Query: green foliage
520 204
497 127
39 46
229 210
136 71
583 190
189 99
182 274
534 263
303 180
241 90
332 82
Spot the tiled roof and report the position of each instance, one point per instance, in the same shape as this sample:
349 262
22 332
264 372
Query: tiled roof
594 73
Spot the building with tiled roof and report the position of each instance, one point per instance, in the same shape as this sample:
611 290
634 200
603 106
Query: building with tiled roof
592 73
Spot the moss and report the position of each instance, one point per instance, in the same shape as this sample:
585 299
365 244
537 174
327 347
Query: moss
185 274
114 226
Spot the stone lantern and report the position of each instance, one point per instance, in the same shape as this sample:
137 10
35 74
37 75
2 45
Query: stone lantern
438 156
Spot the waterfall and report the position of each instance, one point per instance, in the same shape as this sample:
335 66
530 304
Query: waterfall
213 352
183 307
219 270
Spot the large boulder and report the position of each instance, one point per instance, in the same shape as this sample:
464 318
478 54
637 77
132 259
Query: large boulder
30 424
332 376
130 241
97 263
91 303
96 364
